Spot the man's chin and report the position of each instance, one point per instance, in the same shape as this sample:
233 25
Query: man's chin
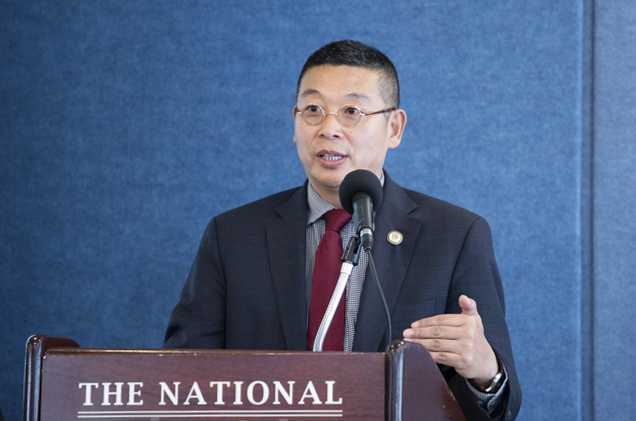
332 177
327 183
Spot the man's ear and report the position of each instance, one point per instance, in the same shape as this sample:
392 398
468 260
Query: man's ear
294 118
397 121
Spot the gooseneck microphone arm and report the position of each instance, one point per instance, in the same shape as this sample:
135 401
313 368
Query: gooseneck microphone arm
349 260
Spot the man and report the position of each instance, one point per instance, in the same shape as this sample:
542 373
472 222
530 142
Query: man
250 284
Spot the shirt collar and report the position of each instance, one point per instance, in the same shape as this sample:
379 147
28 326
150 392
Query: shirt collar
317 205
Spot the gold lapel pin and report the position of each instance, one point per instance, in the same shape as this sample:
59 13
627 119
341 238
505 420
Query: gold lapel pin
395 237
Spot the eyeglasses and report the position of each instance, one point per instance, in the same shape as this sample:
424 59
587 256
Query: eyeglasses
347 115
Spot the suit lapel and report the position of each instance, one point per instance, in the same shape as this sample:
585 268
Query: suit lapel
286 249
391 263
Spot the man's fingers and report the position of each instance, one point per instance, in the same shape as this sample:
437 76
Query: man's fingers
449 352
457 340
443 351
468 306
441 320
433 332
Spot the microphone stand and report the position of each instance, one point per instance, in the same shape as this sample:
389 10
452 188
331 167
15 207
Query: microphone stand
349 260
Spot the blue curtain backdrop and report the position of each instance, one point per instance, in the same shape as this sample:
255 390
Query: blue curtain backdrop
126 125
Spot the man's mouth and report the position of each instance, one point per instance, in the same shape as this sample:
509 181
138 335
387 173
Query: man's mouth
331 156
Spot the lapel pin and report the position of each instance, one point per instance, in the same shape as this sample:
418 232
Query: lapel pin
395 237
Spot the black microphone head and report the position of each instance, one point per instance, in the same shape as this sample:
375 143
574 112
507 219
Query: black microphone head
360 181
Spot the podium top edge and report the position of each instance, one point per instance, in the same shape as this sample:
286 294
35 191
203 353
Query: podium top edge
169 351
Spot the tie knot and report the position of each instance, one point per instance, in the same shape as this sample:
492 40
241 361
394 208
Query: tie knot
336 219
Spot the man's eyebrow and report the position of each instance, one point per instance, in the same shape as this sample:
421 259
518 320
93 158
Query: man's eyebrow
309 92
362 97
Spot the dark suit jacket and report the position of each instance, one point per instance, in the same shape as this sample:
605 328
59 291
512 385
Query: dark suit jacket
246 288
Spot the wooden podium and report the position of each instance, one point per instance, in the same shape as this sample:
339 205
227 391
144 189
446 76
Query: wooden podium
66 382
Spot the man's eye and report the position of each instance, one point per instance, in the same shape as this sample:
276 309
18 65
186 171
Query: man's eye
351 111
313 109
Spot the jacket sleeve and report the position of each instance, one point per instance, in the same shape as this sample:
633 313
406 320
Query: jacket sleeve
198 320
477 276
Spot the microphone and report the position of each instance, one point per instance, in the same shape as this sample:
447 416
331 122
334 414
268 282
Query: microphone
359 193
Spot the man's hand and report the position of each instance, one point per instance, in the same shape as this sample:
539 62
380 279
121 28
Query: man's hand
458 340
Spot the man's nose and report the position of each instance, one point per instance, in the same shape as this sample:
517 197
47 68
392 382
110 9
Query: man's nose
331 125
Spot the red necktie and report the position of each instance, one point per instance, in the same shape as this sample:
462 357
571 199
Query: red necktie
326 273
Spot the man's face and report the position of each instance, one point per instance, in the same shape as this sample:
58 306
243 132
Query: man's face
330 150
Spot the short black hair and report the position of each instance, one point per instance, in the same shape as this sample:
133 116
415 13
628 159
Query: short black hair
357 54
